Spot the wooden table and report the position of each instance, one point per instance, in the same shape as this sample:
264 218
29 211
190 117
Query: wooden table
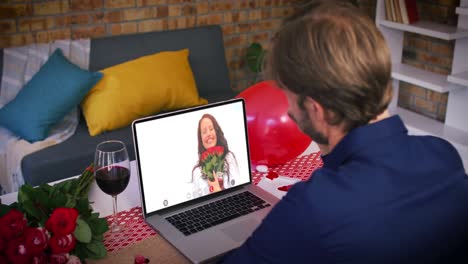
155 248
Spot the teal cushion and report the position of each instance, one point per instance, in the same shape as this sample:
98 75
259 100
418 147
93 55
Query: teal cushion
52 92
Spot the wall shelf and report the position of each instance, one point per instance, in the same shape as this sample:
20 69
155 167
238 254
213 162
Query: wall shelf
459 78
455 128
462 10
430 29
416 76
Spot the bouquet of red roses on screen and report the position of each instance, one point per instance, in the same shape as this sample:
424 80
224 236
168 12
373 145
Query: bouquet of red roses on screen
212 161
52 224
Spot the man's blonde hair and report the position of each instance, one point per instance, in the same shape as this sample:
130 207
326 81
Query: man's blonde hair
335 54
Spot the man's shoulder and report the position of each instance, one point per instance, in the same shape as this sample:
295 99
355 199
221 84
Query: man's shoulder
322 194
435 150
433 140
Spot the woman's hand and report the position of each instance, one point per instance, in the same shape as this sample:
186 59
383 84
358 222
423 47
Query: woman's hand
214 185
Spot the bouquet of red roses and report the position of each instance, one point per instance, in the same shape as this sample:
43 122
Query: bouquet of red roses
212 160
52 224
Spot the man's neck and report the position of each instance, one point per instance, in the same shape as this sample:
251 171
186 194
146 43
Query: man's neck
336 134
382 116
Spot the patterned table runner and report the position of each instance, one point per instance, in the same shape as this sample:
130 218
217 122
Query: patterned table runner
135 229
300 168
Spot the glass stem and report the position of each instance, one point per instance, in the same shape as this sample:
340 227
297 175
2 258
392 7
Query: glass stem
115 224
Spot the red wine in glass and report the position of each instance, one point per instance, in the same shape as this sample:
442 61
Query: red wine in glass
112 171
113 179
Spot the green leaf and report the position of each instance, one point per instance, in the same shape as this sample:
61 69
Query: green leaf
66 186
80 251
31 210
213 163
45 187
58 199
42 222
82 205
94 216
4 209
59 187
255 55
97 249
25 193
15 205
98 225
71 201
69 187
82 231
99 237
42 197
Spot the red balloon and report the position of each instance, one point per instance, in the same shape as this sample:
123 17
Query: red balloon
273 136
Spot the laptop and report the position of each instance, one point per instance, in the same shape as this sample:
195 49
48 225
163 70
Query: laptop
204 219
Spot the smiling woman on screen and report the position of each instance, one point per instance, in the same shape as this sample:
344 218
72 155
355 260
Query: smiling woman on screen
216 168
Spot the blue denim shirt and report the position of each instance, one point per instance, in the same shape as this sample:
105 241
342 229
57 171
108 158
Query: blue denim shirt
382 196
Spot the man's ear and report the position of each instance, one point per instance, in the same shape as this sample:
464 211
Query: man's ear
314 109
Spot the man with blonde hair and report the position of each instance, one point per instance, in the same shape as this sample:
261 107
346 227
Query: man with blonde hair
382 196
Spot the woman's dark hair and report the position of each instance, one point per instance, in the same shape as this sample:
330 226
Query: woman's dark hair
220 141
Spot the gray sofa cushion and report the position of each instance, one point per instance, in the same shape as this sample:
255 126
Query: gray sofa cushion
70 157
207 59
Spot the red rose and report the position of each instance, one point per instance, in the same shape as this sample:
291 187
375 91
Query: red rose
62 244
12 224
219 150
62 221
3 259
16 251
36 240
90 168
58 258
216 150
204 155
39 259
3 245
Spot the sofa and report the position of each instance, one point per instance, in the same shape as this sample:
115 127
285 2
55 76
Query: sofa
208 63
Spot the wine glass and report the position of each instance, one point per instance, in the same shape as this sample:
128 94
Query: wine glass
112 171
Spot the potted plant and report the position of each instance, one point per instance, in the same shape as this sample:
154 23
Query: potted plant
255 57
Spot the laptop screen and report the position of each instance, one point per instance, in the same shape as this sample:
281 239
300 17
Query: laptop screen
191 153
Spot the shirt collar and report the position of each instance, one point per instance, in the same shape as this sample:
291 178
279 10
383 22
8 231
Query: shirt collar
361 137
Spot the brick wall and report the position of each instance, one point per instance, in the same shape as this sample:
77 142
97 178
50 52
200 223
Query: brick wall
430 54
243 22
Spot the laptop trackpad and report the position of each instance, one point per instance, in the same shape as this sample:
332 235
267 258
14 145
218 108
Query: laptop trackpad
240 231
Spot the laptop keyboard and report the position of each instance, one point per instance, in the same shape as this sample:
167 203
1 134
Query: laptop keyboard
215 213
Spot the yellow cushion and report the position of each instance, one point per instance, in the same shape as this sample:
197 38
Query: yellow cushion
141 87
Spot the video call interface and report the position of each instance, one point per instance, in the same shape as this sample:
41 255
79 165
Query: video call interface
168 153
